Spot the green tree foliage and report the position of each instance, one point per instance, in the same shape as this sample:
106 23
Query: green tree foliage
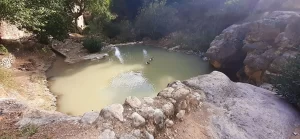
126 9
98 8
43 17
190 23
156 21
288 83
53 18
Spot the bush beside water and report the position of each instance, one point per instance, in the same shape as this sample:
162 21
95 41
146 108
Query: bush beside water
93 45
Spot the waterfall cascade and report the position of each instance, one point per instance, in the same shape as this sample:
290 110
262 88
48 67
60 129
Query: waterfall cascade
118 55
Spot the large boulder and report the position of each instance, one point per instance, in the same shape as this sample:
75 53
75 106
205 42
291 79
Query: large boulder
244 111
259 48
11 32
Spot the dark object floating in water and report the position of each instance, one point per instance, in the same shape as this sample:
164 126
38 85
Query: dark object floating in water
148 62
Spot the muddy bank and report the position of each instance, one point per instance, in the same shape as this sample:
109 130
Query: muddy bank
26 80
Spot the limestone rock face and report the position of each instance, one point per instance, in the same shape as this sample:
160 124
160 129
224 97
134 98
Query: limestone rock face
259 48
246 111
11 32
113 111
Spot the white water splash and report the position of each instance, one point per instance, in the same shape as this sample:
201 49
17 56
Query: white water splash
118 55
145 53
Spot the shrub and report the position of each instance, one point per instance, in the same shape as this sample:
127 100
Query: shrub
288 83
29 130
93 45
3 50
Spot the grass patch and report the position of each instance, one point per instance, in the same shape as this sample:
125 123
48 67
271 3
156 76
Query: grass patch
29 130
3 50
6 78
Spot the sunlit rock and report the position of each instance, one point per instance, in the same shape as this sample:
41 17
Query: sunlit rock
113 111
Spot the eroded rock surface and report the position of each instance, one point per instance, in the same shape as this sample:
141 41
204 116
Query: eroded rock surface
257 49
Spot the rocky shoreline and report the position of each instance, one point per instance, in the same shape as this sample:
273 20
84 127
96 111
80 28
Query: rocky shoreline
227 105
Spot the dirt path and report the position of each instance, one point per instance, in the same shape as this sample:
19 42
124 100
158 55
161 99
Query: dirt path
193 126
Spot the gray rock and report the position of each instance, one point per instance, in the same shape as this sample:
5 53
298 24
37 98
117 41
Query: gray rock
146 111
167 92
107 134
179 93
138 120
168 109
133 102
259 112
255 47
113 111
159 117
169 123
180 114
148 100
90 117
196 98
